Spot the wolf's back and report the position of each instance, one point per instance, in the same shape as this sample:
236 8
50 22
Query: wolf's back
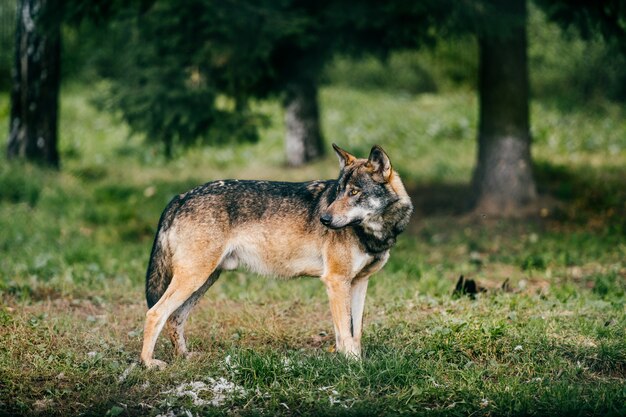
159 272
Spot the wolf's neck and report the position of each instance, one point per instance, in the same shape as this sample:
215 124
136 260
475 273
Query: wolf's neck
379 234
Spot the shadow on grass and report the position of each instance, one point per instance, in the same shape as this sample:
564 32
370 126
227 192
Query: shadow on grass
585 191
583 195
442 199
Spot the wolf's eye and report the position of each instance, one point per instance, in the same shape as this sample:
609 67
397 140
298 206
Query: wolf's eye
354 192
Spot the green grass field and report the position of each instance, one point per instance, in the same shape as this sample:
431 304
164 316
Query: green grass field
74 246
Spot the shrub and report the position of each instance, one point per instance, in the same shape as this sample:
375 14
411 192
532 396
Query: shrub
18 184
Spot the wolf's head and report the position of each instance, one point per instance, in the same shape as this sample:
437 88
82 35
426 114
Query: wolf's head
364 190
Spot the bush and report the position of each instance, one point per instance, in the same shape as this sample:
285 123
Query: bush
19 185
450 64
401 72
566 67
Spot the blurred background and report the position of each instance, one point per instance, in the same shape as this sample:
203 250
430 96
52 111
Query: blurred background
488 109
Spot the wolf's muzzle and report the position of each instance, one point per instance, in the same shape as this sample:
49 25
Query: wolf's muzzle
328 221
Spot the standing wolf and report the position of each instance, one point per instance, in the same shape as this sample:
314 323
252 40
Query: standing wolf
339 230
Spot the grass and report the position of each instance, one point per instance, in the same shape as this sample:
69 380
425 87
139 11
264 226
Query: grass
74 247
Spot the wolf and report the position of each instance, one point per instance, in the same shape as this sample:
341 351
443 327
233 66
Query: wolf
338 230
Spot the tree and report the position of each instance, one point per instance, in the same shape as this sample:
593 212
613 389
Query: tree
298 60
303 139
193 66
350 28
36 73
189 69
36 81
503 177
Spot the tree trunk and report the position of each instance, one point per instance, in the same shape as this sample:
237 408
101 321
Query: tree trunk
503 178
303 140
36 79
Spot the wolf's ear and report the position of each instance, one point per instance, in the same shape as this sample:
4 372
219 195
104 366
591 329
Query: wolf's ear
345 158
380 163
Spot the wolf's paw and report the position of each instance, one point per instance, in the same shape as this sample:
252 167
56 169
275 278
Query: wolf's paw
190 355
353 354
185 354
154 364
351 350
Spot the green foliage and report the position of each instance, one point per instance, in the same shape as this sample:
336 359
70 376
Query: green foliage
570 68
169 101
188 70
371 73
563 65
448 65
606 18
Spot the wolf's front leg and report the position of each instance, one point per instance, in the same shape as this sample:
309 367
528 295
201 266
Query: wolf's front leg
338 289
357 302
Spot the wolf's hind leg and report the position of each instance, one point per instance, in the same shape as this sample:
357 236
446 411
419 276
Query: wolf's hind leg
185 282
176 322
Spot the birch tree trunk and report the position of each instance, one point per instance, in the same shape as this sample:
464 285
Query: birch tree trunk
303 141
503 178
36 80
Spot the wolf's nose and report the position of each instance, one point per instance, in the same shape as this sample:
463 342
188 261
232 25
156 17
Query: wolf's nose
326 219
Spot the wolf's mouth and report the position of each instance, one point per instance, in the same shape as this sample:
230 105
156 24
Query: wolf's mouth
352 223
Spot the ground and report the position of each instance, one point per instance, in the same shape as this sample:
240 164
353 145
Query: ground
75 245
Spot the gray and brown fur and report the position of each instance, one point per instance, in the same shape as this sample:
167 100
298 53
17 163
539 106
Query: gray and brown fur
339 230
